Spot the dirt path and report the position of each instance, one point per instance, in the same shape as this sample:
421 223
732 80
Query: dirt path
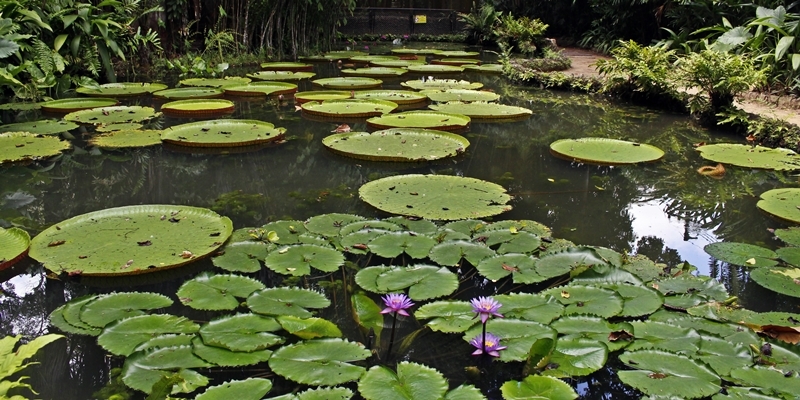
768 106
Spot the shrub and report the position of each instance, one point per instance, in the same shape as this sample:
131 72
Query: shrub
526 34
636 68
479 24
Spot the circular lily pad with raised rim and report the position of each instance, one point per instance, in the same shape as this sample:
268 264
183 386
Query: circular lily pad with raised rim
435 69
483 110
127 139
14 243
281 75
458 53
416 51
441 84
395 63
122 89
189 93
123 126
395 96
130 240
343 55
349 107
743 155
605 151
111 115
197 107
486 68
421 119
782 203
20 106
261 89
286 66
399 144
463 95
353 82
77 104
42 127
436 197
215 82
222 133
321 95
378 72
455 61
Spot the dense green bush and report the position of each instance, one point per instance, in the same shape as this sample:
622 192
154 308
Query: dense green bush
523 33
479 24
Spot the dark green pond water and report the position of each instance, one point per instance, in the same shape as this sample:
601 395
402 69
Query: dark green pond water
664 210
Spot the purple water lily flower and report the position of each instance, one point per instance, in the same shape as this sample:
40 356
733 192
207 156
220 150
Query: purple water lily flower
396 303
488 344
486 307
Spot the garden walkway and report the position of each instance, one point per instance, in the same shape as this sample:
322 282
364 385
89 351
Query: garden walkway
781 107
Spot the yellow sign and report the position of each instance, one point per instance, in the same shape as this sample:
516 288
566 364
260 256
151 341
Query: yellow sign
420 19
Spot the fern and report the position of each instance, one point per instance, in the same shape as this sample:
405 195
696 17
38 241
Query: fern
43 57
91 59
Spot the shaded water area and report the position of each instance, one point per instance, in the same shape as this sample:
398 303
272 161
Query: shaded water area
664 210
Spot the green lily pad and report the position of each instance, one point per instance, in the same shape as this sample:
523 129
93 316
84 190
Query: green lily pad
170 358
790 236
658 373
664 336
226 358
393 244
782 203
111 115
370 58
67 317
286 301
343 54
41 127
422 281
457 53
16 147
421 119
771 379
143 379
435 69
130 240
121 89
485 68
395 63
782 280
297 260
332 393
518 335
375 72
286 66
122 126
590 300
166 340
395 96
108 308
127 139
329 225
248 389
416 51
123 337
281 75
411 382
789 255
722 355
77 104
537 387
462 95
743 155
455 61
215 82
441 84
400 144
482 110
577 357
512 241
566 260
222 133
596 329
309 328
638 300
451 252
447 316
743 254
519 266
348 83
367 313
532 307
349 108
197 107
14 243
241 332
217 292
20 106
189 93
321 95
321 362
605 151
261 89
436 197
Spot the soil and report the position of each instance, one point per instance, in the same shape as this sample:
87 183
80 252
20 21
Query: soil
783 107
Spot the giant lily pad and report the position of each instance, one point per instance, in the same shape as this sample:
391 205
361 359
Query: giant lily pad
375 72
261 89
348 83
189 93
281 75
248 389
127 139
605 151
77 104
222 133
436 197
782 203
14 243
416 51
483 110
462 95
321 95
743 254
461 62
18 147
122 126
122 89
485 68
198 107
400 144
41 127
217 292
535 387
421 119
441 84
753 157
215 82
111 115
395 96
659 373
370 58
411 382
286 66
130 240
343 54
395 63
324 362
123 337
433 69
349 108
457 53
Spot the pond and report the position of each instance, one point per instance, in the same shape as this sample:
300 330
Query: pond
663 210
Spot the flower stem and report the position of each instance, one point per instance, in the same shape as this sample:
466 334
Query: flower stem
483 339
391 337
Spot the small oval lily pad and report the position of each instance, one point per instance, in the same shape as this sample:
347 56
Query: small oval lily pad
743 254
127 139
321 95
605 151
14 243
457 53
111 115
198 107
281 75
18 147
348 83
395 96
261 89
434 69
77 104
376 72
222 133
441 84
189 93
41 127
455 61
286 66
121 89
743 155
215 82
462 95
482 110
349 107
783 203
395 63
421 119
400 144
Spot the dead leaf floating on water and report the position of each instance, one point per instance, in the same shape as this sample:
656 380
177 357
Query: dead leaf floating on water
715 172
342 128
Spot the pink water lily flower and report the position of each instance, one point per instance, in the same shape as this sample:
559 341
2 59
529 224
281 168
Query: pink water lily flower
486 307
396 303
490 344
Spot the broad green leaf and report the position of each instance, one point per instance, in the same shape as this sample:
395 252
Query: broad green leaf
587 300
369 225
241 332
14 357
329 225
743 254
423 281
532 307
663 336
597 329
215 82
577 357
334 393
783 44
297 260
165 358
124 336
743 393
111 115
367 314
166 340
512 242
227 358
465 392
535 387
561 262
349 83
411 382
789 255
42 127
358 108
637 300
422 226
393 244
68 317
469 227
777 279
356 242
309 328
248 389
773 380
217 292
106 309
441 84
322 362
143 379
243 253
450 252
123 139
722 355
288 231
519 266
14 243
644 268
448 316
659 373
286 301
517 335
